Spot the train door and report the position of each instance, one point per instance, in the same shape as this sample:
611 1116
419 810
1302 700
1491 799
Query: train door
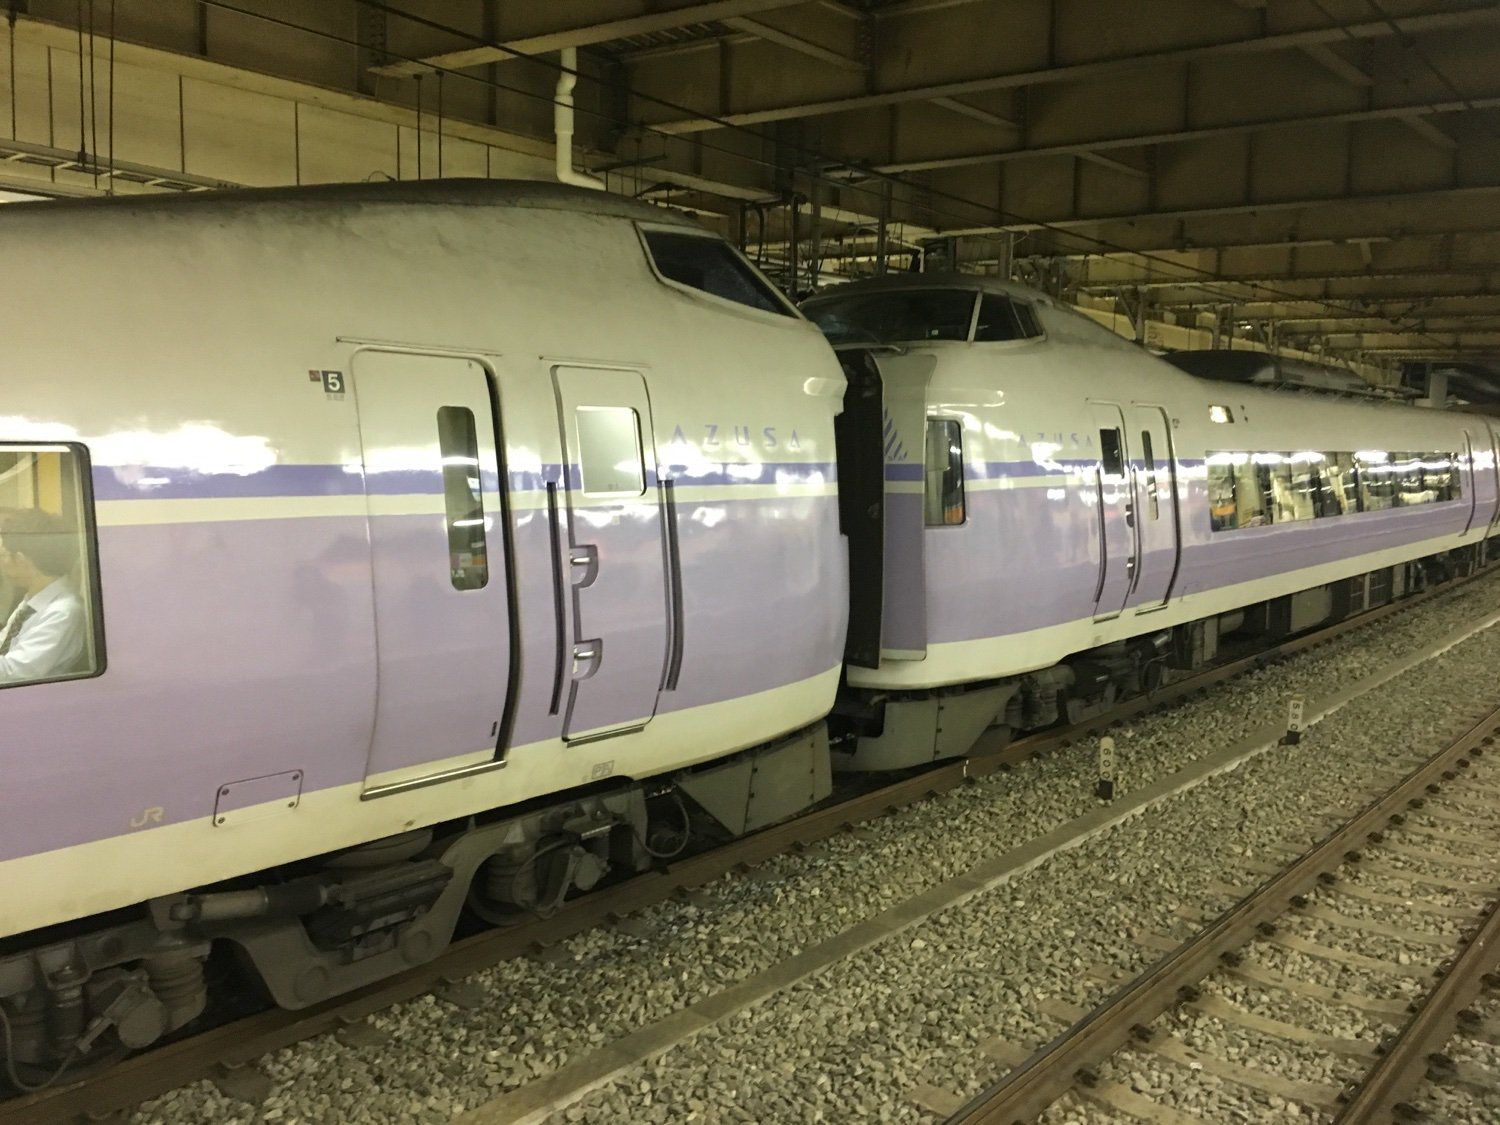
1119 542
1470 485
441 591
1155 500
1493 460
616 552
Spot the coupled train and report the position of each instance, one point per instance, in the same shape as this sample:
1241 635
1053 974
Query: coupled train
449 547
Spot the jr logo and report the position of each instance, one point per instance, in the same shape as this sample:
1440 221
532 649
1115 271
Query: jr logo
152 815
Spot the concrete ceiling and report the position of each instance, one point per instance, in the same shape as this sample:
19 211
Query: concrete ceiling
1325 173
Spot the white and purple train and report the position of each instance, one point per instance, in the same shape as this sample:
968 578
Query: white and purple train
412 549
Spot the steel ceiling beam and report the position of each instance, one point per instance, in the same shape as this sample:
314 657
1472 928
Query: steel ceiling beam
1413 115
1159 278
977 114
1262 305
1099 68
762 30
1335 63
587 35
1262 206
1307 325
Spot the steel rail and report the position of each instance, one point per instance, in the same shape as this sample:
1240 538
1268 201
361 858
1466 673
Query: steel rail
1383 1094
235 1045
1023 1093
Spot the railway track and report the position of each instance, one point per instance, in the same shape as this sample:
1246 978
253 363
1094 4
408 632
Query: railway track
1428 841
226 1053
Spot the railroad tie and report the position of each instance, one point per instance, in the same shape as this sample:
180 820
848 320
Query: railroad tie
1457 839
1171 1047
1345 957
1252 972
1225 1011
1371 926
1352 889
1426 855
935 1099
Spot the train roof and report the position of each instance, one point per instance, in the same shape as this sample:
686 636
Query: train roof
979 282
1263 369
538 195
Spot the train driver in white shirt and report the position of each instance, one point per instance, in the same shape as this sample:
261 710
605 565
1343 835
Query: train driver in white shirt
46 634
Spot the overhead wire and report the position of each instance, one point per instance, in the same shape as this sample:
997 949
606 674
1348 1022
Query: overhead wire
820 160
1407 41
111 140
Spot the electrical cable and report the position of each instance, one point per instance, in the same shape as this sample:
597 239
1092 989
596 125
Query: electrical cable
687 833
1327 303
1103 246
886 177
10 1061
111 141
10 52
83 136
93 103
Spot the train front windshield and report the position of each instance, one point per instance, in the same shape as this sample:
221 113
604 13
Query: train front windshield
903 316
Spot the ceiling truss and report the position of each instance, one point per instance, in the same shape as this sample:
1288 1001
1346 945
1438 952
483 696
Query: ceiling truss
1320 165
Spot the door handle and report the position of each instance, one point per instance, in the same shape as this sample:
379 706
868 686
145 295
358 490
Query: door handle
585 564
587 656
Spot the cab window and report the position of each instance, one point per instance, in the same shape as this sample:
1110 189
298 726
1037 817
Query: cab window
893 316
711 266
1000 318
48 574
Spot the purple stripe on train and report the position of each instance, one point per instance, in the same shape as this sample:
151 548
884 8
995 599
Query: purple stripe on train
295 690
145 482
1036 535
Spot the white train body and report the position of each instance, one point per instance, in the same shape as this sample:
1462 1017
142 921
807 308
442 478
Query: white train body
1056 546
398 504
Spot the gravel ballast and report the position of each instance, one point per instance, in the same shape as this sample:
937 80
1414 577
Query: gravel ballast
850 1042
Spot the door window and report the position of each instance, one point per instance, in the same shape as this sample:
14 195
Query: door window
458 445
1112 453
609 451
945 473
1153 505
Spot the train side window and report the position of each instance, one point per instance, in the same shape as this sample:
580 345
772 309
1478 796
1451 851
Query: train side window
1302 498
609 451
1407 476
712 266
1340 485
1236 492
1442 474
1148 460
49 585
463 500
1377 484
943 503
1276 480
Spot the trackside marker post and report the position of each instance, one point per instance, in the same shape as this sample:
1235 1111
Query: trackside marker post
1295 722
1105 789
